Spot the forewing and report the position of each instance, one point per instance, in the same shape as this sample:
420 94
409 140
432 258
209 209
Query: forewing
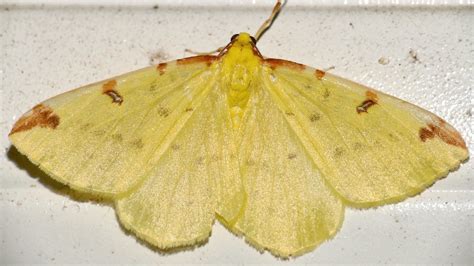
289 208
106 137
371 147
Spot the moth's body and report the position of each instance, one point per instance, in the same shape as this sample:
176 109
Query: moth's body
160 142
241 63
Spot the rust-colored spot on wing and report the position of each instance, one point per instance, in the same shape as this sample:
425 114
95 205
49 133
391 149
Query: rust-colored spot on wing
110 85
448 135
41 115
109 89
208 59
371 99
275 63
319 74
425 134
161 68
364 106
372 96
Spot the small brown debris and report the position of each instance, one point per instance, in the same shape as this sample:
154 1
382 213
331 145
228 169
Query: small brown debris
384 60
189 109
109 89
41 115
291 156
290 114
157 57
413 55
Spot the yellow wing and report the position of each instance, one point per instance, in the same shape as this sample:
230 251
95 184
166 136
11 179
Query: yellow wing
159 141
370 147
197 177
289 208
104 138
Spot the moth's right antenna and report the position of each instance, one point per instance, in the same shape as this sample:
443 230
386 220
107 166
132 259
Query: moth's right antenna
269 21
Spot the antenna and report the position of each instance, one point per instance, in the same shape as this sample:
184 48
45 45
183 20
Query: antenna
269 21
265 26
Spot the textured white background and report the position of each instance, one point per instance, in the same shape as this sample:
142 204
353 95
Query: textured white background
52 48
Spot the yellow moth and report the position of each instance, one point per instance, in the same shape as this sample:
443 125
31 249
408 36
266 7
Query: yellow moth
273 149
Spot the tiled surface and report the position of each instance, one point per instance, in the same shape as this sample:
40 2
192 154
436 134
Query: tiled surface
50 49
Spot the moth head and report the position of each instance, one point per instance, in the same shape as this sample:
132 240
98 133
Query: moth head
240 46
243 39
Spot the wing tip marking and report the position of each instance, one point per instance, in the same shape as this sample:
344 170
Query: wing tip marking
447 135
108 88
41 115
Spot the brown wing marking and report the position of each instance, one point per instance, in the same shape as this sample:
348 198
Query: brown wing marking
275 63
372 99
441 131
161 68
109 89
208 59
319 74
41 115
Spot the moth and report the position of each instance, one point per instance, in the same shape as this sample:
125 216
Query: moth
274 150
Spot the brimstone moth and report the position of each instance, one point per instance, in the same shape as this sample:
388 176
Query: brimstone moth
240 137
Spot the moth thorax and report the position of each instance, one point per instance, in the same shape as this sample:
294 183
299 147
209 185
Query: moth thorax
238 84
